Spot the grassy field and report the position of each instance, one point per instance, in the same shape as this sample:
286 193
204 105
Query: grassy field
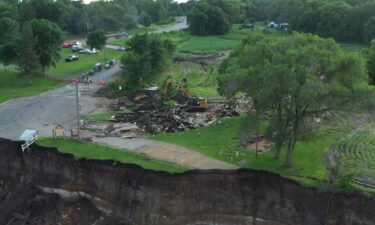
201 80
357 156
211 44
14 86
85 63
221 142
86 150
352 47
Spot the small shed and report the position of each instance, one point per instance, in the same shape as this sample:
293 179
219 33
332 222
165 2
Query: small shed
58 131
29 137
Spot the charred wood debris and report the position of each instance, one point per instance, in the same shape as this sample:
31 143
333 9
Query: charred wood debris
147 113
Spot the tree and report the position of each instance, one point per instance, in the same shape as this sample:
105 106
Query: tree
48 38
9 29
149 57
96 39
294 79
8 53
369 30
206 19
27 58
371 61
146 19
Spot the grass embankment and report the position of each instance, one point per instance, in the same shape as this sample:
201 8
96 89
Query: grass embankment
221 142
13 86
201 79
87 150
84 64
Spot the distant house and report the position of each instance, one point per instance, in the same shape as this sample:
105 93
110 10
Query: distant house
271 24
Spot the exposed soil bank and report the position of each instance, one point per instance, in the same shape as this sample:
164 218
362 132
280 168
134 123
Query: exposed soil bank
102 193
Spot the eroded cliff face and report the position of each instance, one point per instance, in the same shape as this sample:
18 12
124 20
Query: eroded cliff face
51 186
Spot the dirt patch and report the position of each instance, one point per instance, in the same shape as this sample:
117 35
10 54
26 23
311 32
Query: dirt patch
202 59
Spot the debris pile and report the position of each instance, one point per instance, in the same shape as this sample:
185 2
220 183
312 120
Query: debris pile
146 113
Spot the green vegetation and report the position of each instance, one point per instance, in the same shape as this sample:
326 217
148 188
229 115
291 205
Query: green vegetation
201 79
208 19
86 150
356 156
285 80
352 47
86 62
221 142
149 56
14 86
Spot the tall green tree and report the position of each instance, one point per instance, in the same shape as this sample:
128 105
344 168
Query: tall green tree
96 39
294 78
206 19
9 29
48 38
371 61
369 30
149 57
27 58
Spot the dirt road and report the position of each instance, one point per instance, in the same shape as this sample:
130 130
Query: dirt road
166 152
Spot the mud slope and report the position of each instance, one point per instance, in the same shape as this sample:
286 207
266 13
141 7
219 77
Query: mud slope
47 187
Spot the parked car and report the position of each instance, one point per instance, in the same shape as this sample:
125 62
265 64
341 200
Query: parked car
248 26
66 45
122 35
76 48
88 51
121 49
71 58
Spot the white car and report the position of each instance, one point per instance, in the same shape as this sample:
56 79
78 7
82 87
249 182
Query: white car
88 51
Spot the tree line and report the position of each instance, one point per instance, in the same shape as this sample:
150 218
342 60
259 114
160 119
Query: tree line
343 20
33 30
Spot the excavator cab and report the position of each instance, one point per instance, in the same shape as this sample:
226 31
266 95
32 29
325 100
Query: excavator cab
197 103
193 103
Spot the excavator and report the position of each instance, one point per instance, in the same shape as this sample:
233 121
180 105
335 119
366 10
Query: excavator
194 103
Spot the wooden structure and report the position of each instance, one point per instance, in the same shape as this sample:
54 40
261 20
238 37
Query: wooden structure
58 131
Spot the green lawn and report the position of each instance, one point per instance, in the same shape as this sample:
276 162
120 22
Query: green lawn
14 86
215 43
87 150
351 47
85 63
221 142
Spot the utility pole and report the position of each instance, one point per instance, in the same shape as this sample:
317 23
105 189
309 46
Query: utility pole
77 102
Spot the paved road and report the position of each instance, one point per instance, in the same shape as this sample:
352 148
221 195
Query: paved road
166 152
57 106
178 26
